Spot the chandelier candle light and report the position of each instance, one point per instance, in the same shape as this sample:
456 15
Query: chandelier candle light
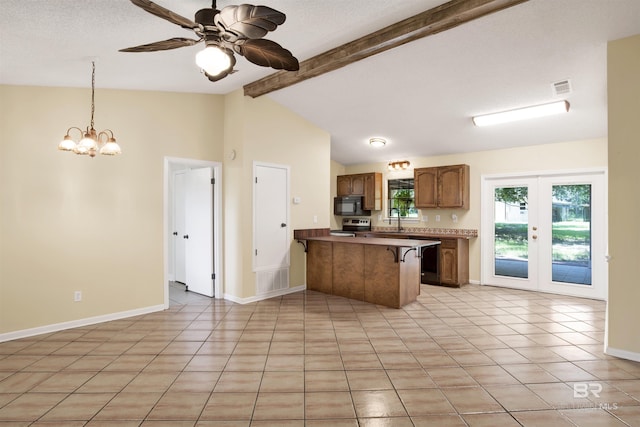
92 141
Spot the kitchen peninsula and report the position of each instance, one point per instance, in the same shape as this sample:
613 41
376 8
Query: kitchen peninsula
382 271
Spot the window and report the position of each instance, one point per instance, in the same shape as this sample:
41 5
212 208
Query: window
401 198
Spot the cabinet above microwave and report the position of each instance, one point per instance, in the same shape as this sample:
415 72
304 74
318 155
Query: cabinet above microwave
367 185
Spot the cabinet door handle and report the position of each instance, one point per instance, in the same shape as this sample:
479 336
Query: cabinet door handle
283 225
175 233
186 236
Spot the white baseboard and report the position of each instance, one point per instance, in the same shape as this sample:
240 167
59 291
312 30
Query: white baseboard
24 333
624 354
265 296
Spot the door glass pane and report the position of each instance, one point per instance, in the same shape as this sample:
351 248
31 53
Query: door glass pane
511 257
571 234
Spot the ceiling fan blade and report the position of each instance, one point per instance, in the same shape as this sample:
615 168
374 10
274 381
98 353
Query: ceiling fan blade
173 43
248 21
163 13
267 53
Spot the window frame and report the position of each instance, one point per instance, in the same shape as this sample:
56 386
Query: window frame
390 177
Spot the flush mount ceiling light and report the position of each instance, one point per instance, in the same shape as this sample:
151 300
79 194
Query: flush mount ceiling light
397 166
522 113
377 142
91 142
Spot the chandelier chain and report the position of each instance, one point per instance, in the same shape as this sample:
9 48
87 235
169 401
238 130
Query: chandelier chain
93 84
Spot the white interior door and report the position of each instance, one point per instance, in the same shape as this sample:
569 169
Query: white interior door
199 231
546 233
271 227
179 242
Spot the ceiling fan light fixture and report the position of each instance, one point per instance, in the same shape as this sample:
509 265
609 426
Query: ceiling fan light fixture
214 60
558 107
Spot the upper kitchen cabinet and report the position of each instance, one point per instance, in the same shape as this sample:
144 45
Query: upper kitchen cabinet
368 185
442 187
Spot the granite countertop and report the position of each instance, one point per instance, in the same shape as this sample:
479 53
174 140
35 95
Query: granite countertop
423 234
380 241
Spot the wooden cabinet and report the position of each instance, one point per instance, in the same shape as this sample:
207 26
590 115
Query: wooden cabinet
372 192
442 187
454 262
378 271
368 185
351 185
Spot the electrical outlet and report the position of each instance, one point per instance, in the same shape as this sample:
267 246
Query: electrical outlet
437 218
77 296
315 219
454 217
425 218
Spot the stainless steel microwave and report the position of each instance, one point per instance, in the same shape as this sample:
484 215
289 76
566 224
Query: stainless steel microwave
349 206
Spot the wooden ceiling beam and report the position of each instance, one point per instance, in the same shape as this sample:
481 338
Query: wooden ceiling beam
446 16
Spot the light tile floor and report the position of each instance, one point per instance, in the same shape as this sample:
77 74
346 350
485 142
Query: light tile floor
475 356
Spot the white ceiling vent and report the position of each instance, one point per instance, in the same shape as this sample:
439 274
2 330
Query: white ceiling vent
563 87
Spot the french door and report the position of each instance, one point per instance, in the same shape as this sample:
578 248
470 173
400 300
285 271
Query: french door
546 233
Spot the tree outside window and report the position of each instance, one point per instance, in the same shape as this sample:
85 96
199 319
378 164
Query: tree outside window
401 198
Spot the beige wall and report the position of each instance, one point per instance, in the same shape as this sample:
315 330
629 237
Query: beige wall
269 133
566 156
70 223
624 197
336 169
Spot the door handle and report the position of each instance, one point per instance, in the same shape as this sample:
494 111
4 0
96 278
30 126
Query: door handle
283 225
186 236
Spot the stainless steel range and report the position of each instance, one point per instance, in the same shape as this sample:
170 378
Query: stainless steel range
351 225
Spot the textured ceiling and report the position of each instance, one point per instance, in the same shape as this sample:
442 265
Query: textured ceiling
420 96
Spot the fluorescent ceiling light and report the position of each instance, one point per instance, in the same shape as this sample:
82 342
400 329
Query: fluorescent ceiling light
522 113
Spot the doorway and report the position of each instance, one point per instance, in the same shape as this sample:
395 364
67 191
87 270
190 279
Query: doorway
546 232
195 174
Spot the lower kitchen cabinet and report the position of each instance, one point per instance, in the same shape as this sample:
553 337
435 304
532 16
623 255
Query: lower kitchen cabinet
454 262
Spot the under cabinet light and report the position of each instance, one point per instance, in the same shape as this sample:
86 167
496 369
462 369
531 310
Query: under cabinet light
522 113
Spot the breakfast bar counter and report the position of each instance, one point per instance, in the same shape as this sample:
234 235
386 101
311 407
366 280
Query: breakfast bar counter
377 270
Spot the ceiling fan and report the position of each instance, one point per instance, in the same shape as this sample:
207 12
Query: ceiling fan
236 29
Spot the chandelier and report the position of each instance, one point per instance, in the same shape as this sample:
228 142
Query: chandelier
91 142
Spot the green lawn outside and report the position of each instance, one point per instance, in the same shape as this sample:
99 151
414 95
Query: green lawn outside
571 241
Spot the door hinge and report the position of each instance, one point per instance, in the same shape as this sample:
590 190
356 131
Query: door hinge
213 181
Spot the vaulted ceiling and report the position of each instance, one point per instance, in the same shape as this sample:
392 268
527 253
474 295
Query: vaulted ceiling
420 95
